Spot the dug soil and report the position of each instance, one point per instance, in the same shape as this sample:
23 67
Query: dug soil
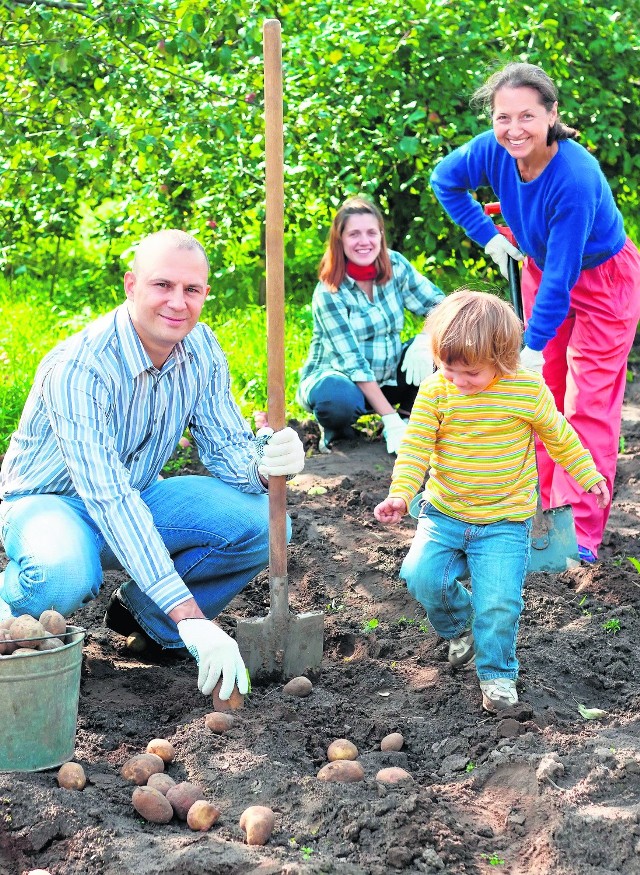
542 789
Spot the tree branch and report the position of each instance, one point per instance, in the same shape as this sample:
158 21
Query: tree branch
53 4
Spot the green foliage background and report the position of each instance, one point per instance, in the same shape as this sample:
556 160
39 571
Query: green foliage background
123 116
120 117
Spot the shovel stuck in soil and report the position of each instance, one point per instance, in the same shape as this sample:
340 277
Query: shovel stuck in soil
281 644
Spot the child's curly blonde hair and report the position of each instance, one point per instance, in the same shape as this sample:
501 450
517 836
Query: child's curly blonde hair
475 328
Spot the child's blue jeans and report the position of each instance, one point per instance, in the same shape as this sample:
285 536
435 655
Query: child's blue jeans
217 537
445 551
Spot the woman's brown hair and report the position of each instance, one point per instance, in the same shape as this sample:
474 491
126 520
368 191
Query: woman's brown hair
333 266
475 328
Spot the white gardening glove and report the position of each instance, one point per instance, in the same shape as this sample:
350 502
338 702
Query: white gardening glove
216 654
532 359
282 454
393 430
499 249
418 360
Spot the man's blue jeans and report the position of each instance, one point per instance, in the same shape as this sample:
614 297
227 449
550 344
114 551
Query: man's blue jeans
445 551
217 537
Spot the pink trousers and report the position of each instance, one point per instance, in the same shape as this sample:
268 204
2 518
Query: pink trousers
585 369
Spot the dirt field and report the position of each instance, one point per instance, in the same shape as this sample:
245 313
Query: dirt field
477 802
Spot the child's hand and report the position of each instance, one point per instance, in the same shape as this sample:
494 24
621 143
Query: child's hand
391 510
601 493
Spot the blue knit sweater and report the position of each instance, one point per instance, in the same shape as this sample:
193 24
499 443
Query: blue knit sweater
566 219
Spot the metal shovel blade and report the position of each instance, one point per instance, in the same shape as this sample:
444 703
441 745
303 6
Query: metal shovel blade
281 644
554 545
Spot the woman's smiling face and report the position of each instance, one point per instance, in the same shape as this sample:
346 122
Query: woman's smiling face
521 122
361 238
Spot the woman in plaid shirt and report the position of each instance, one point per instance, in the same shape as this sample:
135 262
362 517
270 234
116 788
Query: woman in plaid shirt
357 362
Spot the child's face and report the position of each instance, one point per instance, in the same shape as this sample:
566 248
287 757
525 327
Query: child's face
469 380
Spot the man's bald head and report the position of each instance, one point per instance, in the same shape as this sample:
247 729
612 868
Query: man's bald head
168 239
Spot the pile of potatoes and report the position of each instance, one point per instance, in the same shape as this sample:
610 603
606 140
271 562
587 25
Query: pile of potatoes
158 798
344 768
24 635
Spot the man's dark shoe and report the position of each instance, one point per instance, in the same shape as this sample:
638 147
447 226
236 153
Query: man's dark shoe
119 619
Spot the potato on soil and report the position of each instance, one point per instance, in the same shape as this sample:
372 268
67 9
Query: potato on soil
152 805
393 741
257 821
342 749
219 721
182 797
38 872
202 815
342 771
235 700
163 748
50 644
6 644
394 775
138 768
300 686
161 781
136 642
53 622
25 629
71 776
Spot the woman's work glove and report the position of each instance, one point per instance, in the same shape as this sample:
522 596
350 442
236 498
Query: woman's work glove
418 360
532 359
280 453
499 249
393 429
216 654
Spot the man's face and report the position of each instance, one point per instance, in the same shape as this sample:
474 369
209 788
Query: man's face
165 296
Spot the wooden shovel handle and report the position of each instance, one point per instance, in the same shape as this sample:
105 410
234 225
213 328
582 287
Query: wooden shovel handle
274 155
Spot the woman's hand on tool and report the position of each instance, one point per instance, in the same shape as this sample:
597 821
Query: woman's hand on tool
217 654
499 249
391 510
601 493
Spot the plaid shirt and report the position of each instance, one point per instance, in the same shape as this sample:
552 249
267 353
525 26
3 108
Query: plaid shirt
359 338
101 421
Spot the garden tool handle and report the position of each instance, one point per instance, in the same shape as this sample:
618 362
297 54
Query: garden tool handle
274 221
513 270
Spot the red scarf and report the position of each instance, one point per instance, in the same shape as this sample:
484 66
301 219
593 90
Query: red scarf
362 271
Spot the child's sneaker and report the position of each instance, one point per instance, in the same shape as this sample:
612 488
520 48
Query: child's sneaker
498 694
461 649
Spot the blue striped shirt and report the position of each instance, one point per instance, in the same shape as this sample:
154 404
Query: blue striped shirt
359 338
101 421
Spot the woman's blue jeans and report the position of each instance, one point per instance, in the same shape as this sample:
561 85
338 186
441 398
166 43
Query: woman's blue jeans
336 401
445 551
217 537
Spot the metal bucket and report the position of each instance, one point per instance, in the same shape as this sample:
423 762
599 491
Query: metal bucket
39 696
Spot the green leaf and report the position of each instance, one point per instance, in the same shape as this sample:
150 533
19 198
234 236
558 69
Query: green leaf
591 713
316 490
59 170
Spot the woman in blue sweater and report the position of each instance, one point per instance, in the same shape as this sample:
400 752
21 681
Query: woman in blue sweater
581 274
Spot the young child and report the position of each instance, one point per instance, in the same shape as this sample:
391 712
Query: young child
472 429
